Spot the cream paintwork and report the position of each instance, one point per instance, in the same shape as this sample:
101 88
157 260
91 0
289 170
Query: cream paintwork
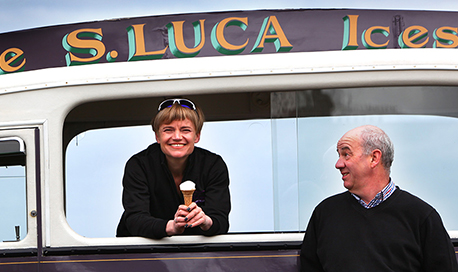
50 94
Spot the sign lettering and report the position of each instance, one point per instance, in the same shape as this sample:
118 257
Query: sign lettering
93 46
225 33
12 60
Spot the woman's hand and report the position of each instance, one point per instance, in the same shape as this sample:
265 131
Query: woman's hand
188 217
197 217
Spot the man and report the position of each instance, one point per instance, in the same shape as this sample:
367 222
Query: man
374 226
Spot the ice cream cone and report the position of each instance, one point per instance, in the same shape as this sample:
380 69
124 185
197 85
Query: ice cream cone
187 195
187 188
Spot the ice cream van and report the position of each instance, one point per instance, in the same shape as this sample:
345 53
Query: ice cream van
278 88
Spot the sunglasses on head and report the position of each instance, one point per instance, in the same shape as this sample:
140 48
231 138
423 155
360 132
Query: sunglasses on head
182 102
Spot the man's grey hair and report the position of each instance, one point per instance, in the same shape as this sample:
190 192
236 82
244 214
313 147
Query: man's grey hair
375 138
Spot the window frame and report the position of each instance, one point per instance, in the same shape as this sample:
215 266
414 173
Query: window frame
29 244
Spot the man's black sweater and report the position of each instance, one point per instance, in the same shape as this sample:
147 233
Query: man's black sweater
403 233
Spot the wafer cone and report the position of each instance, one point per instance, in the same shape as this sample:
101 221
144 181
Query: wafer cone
187 195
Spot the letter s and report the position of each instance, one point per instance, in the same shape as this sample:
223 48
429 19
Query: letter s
94 46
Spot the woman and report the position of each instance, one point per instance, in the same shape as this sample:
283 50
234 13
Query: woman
152 200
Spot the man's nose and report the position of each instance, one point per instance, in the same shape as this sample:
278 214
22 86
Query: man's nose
340 164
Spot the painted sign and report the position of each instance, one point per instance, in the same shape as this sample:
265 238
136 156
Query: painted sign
224 33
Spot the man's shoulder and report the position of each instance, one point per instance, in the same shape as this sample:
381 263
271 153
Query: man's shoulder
335 199
408 199
338 196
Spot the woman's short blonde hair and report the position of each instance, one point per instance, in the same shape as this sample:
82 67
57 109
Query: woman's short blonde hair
178 112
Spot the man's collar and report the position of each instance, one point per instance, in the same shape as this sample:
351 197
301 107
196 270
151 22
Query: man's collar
383 195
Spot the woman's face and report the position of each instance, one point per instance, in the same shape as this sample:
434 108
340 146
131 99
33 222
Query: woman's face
177 139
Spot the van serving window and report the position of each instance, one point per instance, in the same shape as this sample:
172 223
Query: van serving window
280 152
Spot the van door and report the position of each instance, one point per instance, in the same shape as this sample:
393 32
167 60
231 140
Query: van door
19 210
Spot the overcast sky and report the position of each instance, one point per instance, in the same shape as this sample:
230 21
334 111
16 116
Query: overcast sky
25 14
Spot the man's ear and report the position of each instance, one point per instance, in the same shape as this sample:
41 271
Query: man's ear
376 157
197 138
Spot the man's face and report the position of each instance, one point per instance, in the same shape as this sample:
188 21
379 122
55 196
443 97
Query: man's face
352 163
177 139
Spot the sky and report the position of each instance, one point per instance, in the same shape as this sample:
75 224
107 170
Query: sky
25 14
